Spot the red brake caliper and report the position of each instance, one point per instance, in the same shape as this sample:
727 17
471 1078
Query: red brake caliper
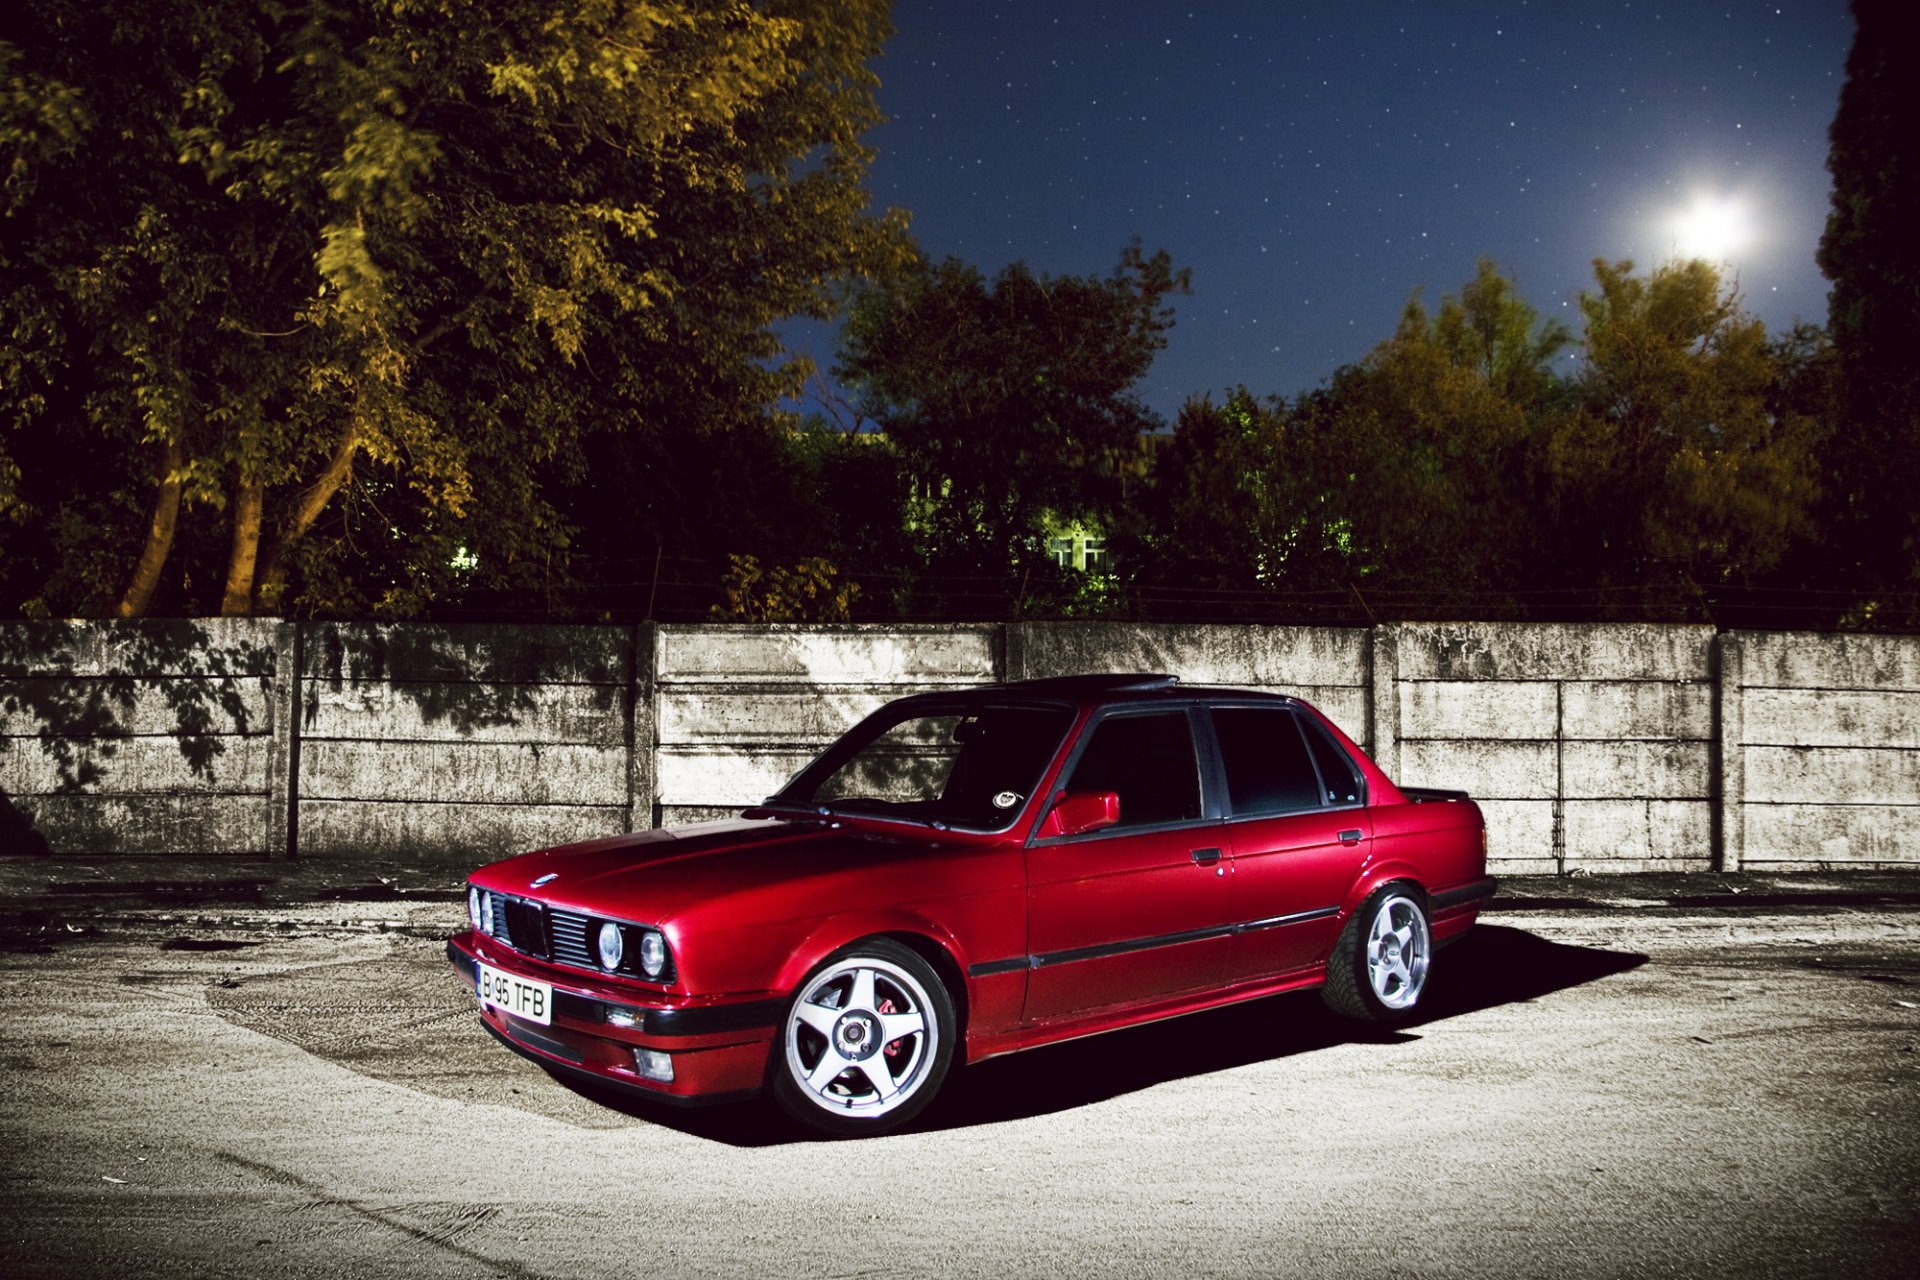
886 1006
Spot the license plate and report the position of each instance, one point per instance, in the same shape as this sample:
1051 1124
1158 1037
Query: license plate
521 997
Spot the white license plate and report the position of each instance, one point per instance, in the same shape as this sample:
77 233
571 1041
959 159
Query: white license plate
521 997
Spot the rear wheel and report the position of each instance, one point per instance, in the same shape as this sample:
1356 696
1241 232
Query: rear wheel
866 1041
1378 968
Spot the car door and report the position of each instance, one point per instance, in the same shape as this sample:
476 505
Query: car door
1298 830
1138 909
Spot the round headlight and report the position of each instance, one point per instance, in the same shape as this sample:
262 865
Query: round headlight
653 953
486 913
473 905
611 946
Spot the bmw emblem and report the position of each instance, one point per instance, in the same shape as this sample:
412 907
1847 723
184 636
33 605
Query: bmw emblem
545 879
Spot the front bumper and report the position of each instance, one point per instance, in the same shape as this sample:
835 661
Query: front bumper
718 1047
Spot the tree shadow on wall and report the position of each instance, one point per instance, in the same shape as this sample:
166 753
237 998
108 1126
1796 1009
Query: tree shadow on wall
468 678
77 691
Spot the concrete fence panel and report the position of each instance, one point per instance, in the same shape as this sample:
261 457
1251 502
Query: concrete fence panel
1327 666
1828 735
463 740
1588 746
740 709
140 737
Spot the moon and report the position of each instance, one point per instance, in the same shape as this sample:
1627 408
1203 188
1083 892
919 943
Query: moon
1716 227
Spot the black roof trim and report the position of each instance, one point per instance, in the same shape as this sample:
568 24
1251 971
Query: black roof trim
1095 684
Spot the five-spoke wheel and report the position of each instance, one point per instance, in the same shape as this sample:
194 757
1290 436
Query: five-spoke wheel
1379 965
866 1040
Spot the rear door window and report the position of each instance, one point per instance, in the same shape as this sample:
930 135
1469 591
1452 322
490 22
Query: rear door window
1268 767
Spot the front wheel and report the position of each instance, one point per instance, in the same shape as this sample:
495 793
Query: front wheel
866 1041
1379 965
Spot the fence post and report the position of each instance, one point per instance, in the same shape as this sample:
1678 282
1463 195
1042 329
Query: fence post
1383 698
642 716
1729 789
283 751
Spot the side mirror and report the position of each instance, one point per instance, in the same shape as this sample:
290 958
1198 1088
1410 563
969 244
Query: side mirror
1082 812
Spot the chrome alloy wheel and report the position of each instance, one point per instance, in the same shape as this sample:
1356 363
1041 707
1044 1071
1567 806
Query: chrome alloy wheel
1398 952
861 1036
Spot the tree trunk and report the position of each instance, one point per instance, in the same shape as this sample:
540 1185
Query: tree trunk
312 500
247 498
153 556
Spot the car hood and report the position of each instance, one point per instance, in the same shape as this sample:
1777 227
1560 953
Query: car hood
754 868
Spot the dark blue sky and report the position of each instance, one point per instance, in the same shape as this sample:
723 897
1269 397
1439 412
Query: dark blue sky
1314 163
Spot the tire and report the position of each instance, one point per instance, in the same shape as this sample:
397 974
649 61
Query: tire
865 1042
1378 969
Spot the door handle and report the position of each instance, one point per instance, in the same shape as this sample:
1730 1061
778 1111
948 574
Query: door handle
1206 857
1351 836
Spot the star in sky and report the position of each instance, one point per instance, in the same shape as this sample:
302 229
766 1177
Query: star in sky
1316 163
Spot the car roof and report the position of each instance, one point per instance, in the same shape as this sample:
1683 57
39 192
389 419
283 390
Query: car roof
1136 686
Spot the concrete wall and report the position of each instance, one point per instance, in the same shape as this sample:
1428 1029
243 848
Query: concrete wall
1827 767
1585 745
1590 747
141 737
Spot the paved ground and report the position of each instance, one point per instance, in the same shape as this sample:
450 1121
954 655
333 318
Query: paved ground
1607 1084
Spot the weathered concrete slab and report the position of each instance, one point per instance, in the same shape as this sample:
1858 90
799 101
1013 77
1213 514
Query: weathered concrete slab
825 655
1831 718
87 707
1832 776
182 824
703 714
1629 769
1636 709
434 711
474 832
687 815
1283 658
137 766
492 773
1507 709
1487 770
1519 830
1637 831
1815 660
1345 705
341 652
719 777
1836 835
1552 651
145 649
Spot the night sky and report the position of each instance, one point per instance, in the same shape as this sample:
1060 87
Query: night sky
1314 163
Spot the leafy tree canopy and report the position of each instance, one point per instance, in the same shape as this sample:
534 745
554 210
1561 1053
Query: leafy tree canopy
352 281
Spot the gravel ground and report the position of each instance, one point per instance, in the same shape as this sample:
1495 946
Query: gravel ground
1597 1089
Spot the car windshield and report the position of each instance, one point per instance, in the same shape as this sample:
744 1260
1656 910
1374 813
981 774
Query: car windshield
957 765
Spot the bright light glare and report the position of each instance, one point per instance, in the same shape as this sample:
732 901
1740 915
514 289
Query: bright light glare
1716 228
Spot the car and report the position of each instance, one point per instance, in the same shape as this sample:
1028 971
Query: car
967 874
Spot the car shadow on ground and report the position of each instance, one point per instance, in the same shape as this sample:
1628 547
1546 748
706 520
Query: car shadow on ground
1494 965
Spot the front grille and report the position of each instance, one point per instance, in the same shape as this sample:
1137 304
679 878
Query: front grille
570 945
520 924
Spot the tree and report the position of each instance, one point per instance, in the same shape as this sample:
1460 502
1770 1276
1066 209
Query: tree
1405 475
412 254
1683 466
1008 401
1870 253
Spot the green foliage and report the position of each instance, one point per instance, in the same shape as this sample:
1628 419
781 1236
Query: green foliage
1008 400
807 592
381 270
1453 470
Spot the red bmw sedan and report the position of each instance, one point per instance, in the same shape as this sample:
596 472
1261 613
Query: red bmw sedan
970 874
